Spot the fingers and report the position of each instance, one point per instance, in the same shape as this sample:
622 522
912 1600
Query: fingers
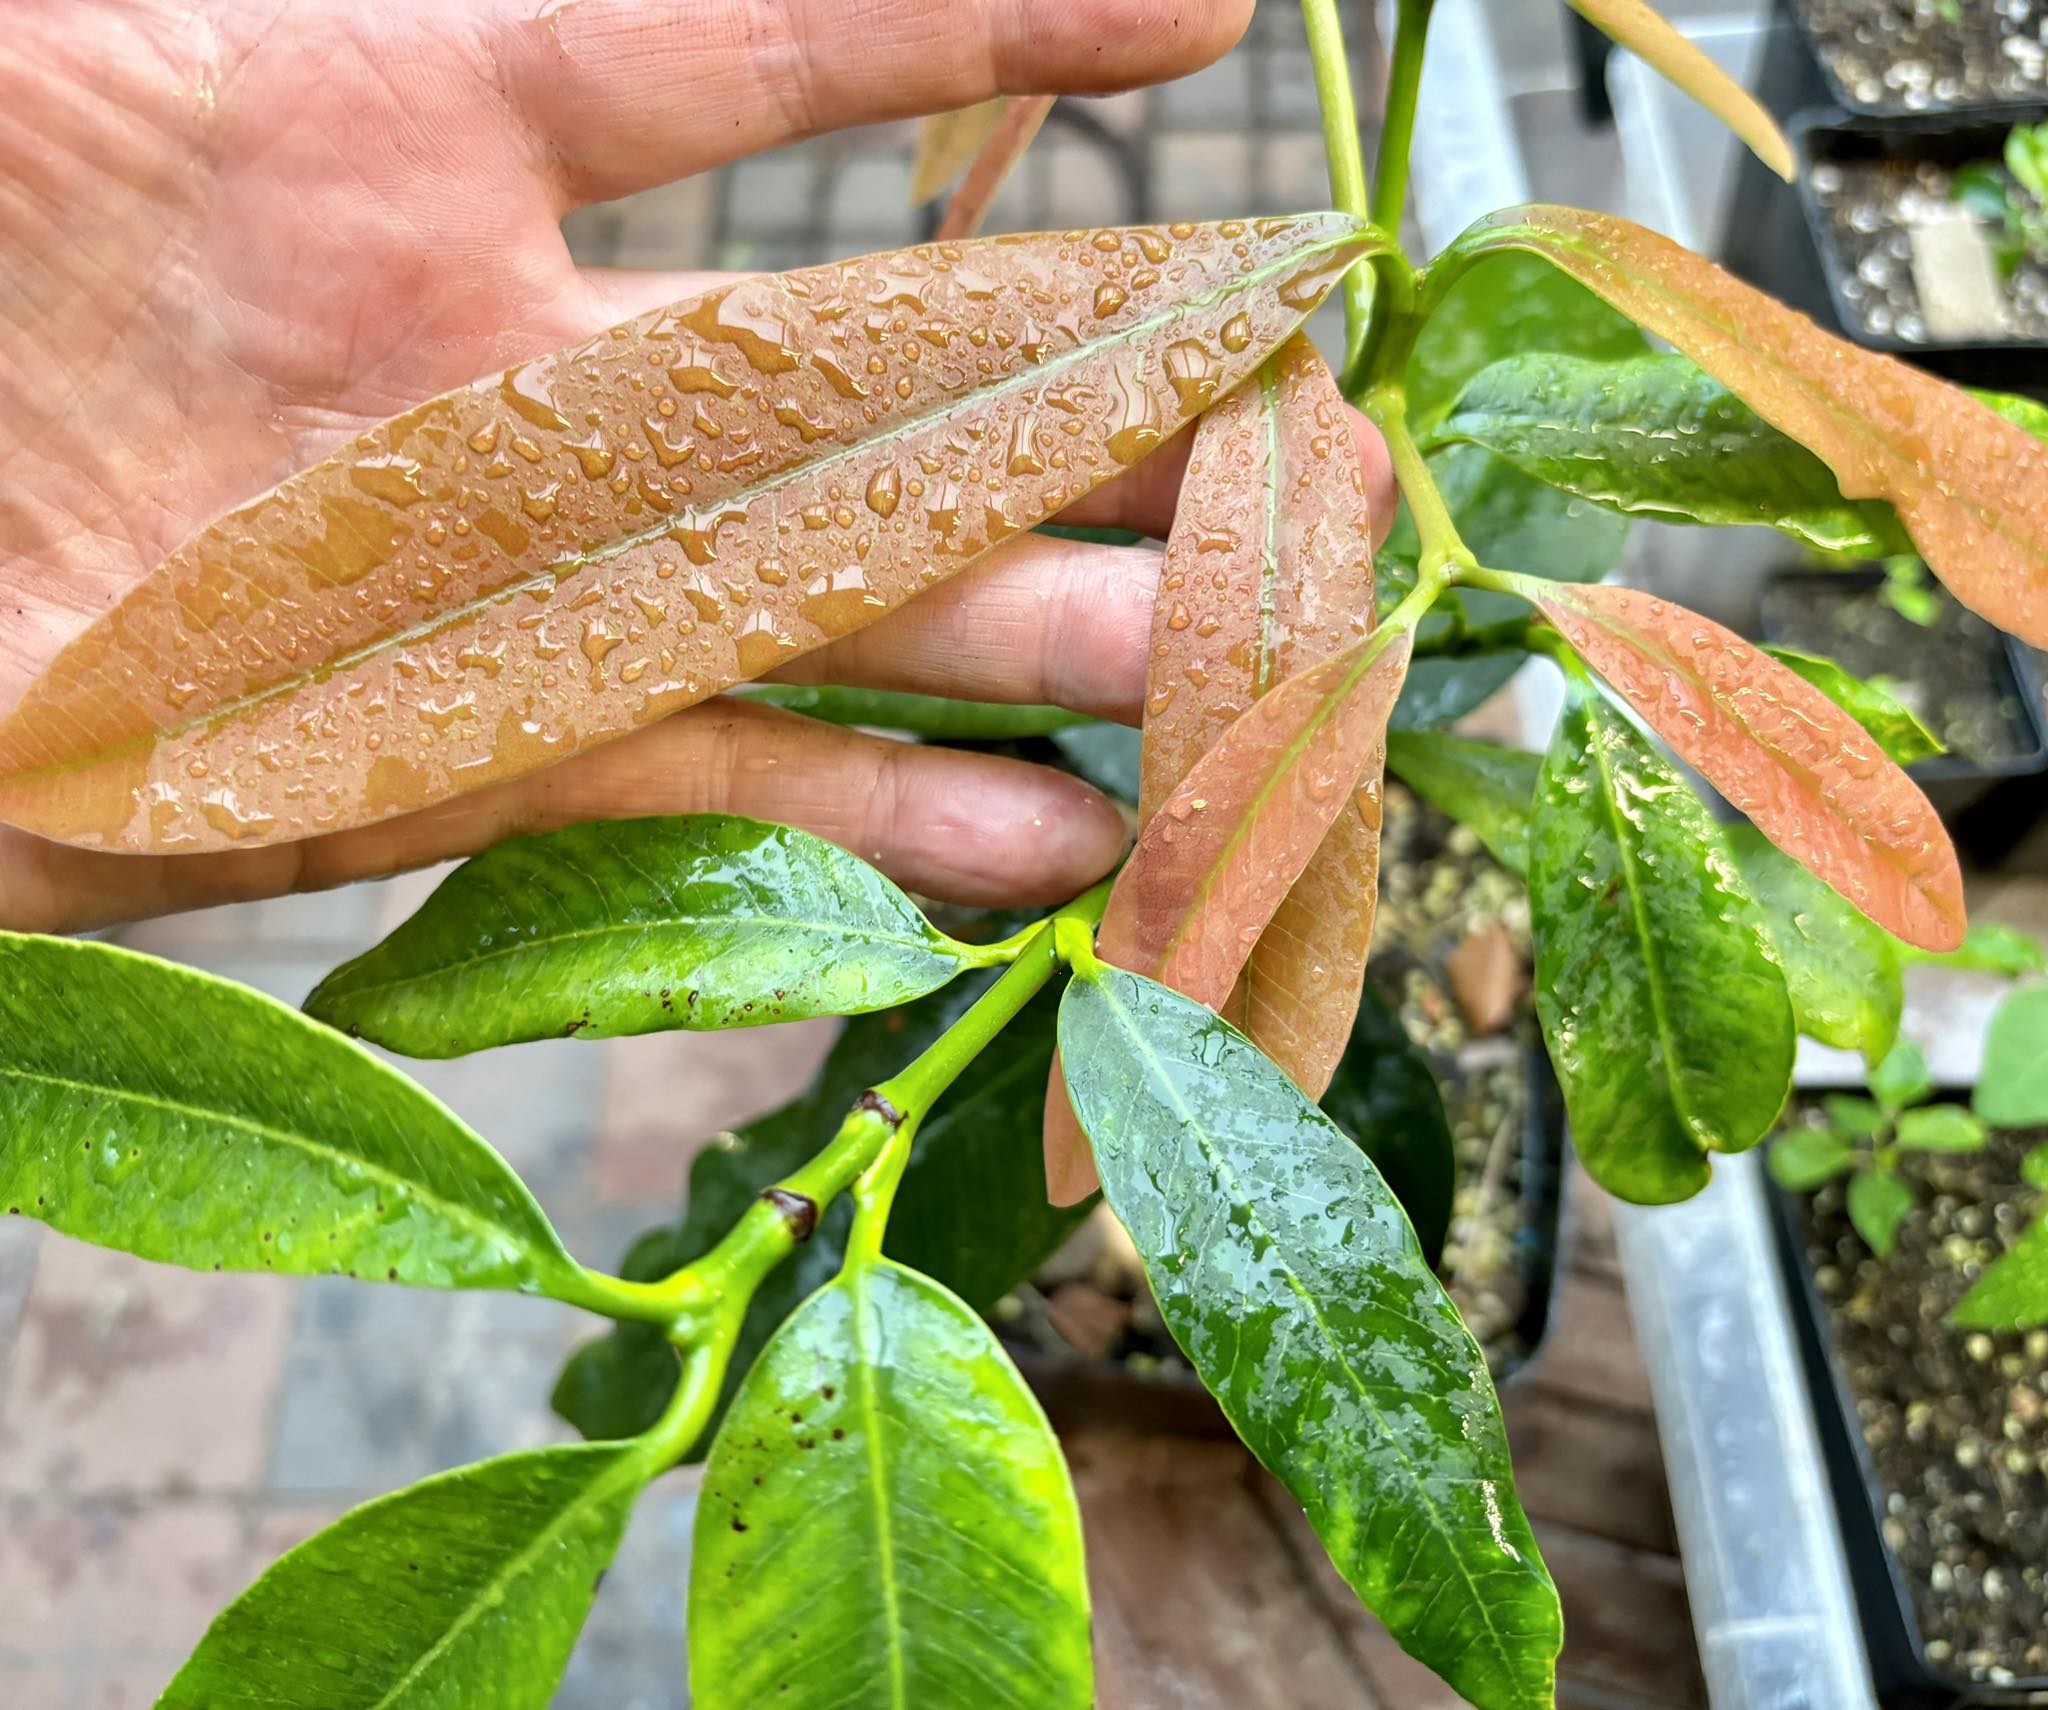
624 94
966 828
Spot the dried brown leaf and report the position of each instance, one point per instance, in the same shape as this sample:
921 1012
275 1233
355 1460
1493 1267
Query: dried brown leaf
1970 486
549 558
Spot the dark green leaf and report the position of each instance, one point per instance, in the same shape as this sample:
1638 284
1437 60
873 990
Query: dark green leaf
1802 1159
183 1118
1657 436
465 1591
930 716
1888 719
886 1521
1987 949
2012 1294
1295 1284
1901 1078
1107 755
1841 970
1942 1128
1479 784
1854 1118
1667 1020
640 926
1385 1096
1501 307
971 1210
1878 1204
2012 1087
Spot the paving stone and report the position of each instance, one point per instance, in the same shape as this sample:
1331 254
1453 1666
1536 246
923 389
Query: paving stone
1216 98
143 1378
870 205
19 1239
34 1686
1080 185
1291 99
772 194
536 1104
632 1653
1295 172
340 918
1203 177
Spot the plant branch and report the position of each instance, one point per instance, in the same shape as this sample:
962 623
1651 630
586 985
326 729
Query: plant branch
1348 189
1397 130
1443 549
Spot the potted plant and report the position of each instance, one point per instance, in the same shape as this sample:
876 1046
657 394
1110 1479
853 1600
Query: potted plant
1908 1228
885 1516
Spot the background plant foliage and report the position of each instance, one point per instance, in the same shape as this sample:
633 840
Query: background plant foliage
886 1518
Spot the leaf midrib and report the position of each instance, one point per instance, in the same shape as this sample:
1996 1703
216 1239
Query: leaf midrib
1156 1069
878 1487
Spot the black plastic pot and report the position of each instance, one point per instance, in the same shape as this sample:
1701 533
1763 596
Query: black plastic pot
1989 805
1821 76
1081 1392
1900 1669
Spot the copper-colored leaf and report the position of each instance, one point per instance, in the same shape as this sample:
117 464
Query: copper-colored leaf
1000 151
1809 777
1645 33
946 142
1214 864
1970 486
1267 571
592 540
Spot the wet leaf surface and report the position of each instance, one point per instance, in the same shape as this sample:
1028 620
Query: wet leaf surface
1479 784
465 1592
622 927
1809 777
886 1519
971 1211
595 539
1294 1283
1657 436
1667 1021
1894 725
1970 485
1841 971
183 1118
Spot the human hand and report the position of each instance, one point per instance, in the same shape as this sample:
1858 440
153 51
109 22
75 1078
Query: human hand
232 236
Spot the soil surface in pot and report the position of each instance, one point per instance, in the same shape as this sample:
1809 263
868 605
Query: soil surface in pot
1871 208
1956 1421
1451 953
1919 56
1955 673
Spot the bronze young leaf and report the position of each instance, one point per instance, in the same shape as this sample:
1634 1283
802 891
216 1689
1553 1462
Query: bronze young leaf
1970 485
551 557
994 160
1809 777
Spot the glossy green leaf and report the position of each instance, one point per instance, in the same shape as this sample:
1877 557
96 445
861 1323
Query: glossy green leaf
1901 1078
1667 1020
1288 1273
1894 725
1479 784
1853 1117
2012 1294
183 1118
1802 1159
931 716
1987 948
1385 1096
1658 436
1878 1204
1505 305
971 1211
1942 1128
1841 969
2012 1087
465 1591
886 1520
640 926
1505 517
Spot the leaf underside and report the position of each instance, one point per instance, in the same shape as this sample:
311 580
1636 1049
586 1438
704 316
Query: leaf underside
1295 1285
886 1520
552 557
1667 1022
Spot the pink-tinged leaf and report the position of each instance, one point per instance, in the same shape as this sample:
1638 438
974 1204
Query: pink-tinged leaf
1216 862
1970 486
591 541
998 155
946 142
1809 777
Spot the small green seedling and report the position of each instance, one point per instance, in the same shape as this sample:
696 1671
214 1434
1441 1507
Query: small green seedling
2011 197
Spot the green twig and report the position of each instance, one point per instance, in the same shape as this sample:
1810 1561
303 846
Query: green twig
1397 130
1443 549
1347 160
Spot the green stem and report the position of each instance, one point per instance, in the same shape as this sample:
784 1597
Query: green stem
1397 131
682 1422
1443 549
1347 161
